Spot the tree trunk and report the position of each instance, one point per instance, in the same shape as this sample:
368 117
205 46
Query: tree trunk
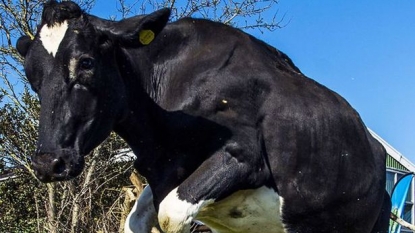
76 214
51 208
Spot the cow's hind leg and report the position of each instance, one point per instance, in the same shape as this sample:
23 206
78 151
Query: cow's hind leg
382 224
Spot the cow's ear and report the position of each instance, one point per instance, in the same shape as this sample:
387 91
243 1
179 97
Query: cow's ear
141 30
152 25
23 44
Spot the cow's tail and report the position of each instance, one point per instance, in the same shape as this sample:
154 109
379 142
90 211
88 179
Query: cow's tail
382 223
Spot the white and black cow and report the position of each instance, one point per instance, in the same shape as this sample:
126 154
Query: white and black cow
226 129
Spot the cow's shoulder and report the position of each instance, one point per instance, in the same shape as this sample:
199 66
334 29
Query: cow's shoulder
211 63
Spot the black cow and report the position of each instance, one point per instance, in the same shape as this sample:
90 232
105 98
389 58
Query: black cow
226 129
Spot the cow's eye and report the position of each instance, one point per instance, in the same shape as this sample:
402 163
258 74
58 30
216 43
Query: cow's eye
86 63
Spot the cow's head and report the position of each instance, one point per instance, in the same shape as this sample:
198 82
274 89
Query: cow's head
71 65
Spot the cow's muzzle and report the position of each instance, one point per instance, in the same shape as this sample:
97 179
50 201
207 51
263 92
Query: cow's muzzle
57 166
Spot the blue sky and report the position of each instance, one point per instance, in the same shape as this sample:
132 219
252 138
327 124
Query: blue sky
364 50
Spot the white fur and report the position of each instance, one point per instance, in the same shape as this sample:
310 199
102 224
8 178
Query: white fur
143 216
246 211
175 215
52 37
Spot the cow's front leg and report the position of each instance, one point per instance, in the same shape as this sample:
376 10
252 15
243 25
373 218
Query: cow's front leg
218 177
176 214
143 216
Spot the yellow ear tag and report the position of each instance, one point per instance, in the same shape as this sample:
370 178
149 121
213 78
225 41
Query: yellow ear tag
146 36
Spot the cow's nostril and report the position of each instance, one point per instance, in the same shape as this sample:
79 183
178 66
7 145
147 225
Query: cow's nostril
58 166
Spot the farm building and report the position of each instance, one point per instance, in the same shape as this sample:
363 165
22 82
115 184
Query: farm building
397 166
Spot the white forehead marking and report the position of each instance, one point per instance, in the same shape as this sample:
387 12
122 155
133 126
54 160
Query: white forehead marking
52 37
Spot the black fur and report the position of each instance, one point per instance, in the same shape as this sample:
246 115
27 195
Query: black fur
210 110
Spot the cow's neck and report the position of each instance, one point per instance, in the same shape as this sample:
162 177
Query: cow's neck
142 82
142 113
149 129
139 130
